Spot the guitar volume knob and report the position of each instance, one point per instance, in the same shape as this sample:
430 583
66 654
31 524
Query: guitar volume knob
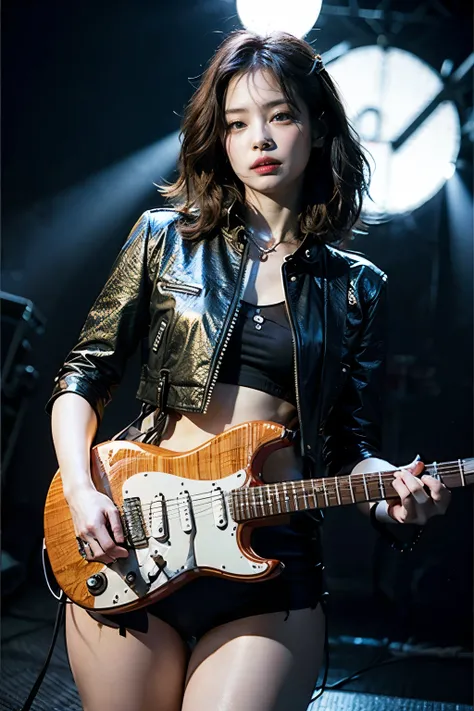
96 584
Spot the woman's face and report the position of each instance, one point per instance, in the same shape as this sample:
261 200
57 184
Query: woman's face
262 126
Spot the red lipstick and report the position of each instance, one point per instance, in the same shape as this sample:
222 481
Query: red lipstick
265 165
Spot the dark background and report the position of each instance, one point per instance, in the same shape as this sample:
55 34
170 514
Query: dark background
88 90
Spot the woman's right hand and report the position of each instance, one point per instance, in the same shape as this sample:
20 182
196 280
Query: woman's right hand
97 524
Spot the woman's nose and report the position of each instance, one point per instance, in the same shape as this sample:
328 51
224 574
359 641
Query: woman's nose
264 144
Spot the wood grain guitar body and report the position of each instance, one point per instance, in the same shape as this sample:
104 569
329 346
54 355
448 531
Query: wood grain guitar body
177 513
192 513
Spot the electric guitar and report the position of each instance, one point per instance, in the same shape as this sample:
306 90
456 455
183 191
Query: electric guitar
192 513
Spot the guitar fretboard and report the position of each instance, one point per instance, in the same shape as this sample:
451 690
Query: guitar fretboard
290 496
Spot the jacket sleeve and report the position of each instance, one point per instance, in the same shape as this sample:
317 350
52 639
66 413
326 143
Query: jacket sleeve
114 326
353 430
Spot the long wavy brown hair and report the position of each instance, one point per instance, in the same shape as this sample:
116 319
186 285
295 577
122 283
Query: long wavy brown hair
337 174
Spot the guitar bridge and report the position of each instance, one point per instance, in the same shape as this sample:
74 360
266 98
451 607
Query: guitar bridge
134 524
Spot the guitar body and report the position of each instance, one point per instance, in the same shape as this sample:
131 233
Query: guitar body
192 513
177 515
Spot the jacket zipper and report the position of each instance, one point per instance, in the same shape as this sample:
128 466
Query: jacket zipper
159 335
227 330
293 333
181 288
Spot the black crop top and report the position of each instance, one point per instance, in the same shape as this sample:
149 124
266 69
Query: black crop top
259 353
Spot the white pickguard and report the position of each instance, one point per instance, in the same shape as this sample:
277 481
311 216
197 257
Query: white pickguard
207 545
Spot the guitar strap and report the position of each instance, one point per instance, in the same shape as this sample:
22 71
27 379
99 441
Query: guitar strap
150 424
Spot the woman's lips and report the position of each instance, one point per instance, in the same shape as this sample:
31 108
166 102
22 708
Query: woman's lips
265 168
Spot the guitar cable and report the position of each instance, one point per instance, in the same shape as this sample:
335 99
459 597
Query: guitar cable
321 689
62 600
57 625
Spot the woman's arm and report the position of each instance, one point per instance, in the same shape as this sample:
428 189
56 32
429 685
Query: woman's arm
353 429
74 424
95 516
114 326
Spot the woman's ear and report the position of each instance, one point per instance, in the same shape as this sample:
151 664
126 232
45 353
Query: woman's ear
318 141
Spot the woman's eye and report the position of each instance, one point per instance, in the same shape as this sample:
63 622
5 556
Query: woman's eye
283 116
235 124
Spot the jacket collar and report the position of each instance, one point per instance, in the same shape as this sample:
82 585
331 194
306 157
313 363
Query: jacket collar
310 250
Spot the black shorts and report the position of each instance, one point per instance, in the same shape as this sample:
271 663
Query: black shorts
208 601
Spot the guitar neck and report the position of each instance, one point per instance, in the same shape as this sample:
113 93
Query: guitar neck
290 496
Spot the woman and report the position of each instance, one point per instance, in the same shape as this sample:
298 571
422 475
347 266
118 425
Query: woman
249 314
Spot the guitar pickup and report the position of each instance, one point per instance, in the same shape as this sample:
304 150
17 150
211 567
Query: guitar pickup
134 523
218 508
158 519
185 511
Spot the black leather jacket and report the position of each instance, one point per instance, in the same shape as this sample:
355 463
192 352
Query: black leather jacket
183 296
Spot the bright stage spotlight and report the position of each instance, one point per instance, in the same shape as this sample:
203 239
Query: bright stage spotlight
264 16
397 104
450 170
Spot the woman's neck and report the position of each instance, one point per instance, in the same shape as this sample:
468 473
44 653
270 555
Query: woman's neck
271 220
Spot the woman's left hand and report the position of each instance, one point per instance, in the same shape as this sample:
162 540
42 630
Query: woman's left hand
421 497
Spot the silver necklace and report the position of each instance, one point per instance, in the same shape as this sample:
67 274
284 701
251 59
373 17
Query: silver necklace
263 251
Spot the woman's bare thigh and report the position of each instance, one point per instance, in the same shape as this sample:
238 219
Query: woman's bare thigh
258 663
138 672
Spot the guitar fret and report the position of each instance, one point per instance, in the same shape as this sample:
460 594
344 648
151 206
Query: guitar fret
365 488
305 498
461 469
325 493
261 502
238 503
315 497
270 500
351 489
278 500
295 496
381 485
286 497
338 493
241 505
254 505
247 503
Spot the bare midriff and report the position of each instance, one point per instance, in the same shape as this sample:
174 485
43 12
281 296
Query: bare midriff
231 405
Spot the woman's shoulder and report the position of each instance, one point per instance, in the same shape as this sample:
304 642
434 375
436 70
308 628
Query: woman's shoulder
160 218
358 263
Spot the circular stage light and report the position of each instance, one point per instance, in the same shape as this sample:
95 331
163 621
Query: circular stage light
386 92
264 16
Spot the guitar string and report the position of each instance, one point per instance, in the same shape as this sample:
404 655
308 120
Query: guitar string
206 506
369 478
253 506
444 469
268 499
343 486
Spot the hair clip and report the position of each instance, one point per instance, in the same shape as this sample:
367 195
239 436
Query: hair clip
318 64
